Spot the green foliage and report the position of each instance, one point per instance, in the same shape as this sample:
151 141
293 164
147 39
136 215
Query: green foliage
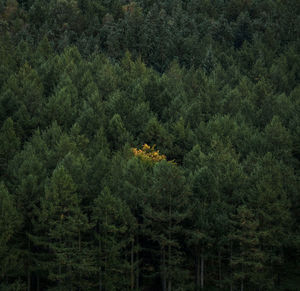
165 210
10 144
214 85
65 225
10 224
113 220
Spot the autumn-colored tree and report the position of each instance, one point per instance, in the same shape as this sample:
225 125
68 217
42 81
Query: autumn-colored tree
148 154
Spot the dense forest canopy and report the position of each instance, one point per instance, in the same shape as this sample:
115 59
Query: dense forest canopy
149 145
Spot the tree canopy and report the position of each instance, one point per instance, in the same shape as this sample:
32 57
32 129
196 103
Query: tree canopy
149 145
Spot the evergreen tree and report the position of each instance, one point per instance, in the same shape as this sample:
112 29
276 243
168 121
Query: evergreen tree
269 200
112 219
247 258
61 106
10 255
10 144
84 84
71 263
165 210
117 132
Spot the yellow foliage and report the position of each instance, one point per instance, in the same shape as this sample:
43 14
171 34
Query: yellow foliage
148 154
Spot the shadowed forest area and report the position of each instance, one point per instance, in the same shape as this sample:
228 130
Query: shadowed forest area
149 145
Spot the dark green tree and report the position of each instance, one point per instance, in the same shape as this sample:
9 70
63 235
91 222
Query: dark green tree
165 210
114 225
10 144
71 263
10 255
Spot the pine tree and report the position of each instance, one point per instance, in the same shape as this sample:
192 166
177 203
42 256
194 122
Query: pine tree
27 174
117 132
64 223
217 183
114 226
10 255
135 184
247 259
270 203
61 105
9 145
165 210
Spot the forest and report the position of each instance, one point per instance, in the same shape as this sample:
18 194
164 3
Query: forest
150 145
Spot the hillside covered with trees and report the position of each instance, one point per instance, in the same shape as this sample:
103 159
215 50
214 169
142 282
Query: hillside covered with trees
149 145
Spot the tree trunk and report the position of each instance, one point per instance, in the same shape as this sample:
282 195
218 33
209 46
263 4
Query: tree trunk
59 264
132 265
220 269
28 266
164 277
231 285
198 273
169 266
79 248
242 282
202 269
137 279
169 285
37 283
169 246
100 269
28 279
59 272
105 246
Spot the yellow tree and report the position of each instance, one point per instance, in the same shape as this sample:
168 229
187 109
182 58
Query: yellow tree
149 154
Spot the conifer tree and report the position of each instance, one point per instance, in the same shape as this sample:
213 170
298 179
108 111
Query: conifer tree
247 258
114 226
270 202
71 263
61 106
9 144
166 209
10 255
117 132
